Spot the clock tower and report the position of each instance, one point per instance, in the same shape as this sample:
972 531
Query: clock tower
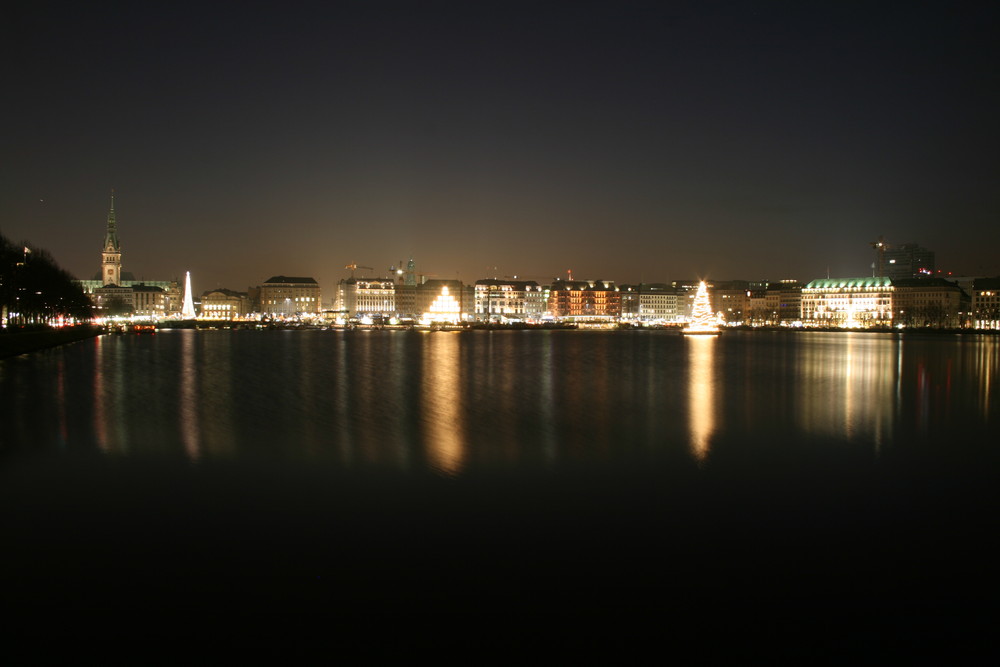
111 265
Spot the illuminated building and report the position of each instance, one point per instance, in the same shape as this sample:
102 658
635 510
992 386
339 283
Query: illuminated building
111 288
499 300
648 303
657 303
848 302
986 303
366 296
224 304
288 296
149 302
585 300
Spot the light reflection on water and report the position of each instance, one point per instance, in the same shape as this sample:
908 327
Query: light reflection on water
442 401
456 401
701 393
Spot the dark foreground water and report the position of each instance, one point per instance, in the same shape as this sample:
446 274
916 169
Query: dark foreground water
404 472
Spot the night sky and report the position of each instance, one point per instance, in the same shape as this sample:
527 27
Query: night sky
628 141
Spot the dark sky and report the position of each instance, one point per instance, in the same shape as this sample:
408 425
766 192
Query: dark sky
630 141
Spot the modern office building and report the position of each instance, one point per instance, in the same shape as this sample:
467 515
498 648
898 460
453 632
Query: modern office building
907 260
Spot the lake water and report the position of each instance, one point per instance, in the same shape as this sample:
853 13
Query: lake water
396 470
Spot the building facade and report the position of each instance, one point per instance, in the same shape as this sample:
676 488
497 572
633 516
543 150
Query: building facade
928 302
501 300
985 305
360 297
149 302
224 304
585 300
289 296
848 302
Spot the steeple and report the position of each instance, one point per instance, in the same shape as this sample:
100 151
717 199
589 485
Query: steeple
111 257
111 237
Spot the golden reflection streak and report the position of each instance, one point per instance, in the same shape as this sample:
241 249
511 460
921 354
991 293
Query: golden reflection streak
442 401
701 393
100 418
188 413
986 362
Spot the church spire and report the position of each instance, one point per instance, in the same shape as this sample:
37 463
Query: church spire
111 237
111 257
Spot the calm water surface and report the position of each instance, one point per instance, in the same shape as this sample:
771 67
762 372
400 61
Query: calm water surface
422 467
451 402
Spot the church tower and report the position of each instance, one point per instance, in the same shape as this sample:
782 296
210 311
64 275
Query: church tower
111 264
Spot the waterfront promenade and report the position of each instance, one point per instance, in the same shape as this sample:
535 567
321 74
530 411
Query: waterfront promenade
15 342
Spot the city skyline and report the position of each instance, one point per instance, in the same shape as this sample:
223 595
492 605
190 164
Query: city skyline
638 144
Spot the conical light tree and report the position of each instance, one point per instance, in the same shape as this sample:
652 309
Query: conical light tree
188 311
702 319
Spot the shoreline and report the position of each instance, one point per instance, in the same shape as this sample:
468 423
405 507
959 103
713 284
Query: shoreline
16 343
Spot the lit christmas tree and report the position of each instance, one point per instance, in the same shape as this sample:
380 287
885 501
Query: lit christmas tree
187 312
702 320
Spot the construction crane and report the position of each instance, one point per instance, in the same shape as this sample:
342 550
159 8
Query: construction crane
354 267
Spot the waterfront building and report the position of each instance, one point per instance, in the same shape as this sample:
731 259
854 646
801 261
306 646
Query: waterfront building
149 302
289 296
502 300
648 303
729 297
224 304
774 304
630 302
406 300
657 303
928 302
986 303
585 300
848 302
360 297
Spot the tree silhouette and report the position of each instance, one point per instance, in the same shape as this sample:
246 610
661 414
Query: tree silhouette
34 289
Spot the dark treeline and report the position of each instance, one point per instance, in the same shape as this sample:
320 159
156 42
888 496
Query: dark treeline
34 289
